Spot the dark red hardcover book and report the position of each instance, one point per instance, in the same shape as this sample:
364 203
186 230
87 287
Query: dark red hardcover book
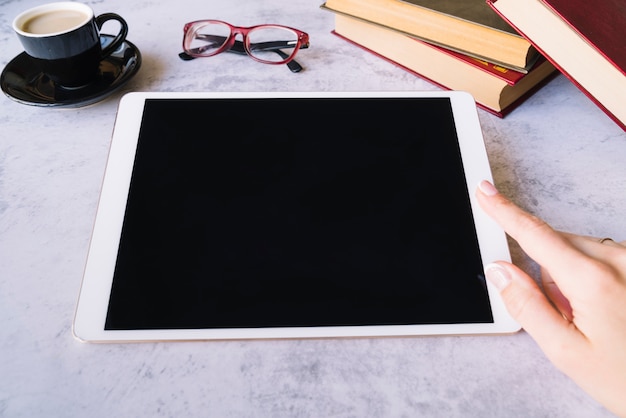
601 23
585 40
511 77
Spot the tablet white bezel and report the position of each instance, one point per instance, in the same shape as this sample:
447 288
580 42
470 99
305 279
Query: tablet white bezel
98 275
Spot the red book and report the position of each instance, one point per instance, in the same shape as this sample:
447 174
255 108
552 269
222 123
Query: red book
585 40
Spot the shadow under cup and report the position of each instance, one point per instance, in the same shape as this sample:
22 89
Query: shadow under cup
63 39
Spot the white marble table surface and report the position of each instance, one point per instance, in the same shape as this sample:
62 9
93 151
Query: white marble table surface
557 155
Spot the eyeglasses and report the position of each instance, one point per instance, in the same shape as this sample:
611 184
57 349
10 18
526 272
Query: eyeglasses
269 44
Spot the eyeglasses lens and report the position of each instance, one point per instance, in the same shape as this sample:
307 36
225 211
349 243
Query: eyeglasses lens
272 44
208 38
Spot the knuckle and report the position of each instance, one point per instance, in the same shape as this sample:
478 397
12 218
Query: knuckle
604 279
520 221
518 300
532 225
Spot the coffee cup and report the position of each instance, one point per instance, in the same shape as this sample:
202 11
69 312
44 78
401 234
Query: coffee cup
63 39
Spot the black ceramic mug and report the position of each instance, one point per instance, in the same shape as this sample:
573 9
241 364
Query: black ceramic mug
64 40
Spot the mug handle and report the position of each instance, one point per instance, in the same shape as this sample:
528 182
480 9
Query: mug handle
119 39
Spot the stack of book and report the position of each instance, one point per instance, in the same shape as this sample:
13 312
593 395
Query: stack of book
456 44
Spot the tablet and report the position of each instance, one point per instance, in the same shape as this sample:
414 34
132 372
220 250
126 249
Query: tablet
292 215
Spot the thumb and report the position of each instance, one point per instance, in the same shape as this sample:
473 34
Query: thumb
530 308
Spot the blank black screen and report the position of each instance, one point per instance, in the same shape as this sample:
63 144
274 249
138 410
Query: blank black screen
297 212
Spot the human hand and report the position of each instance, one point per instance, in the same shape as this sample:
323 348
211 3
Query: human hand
580 321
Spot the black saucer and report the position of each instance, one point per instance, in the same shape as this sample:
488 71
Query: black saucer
22 82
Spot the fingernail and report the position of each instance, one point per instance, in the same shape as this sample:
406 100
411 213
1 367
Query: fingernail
487 188
497 275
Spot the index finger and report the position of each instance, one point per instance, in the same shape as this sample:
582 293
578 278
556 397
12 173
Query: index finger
542 243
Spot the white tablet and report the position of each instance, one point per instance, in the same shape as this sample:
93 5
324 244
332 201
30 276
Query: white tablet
292 215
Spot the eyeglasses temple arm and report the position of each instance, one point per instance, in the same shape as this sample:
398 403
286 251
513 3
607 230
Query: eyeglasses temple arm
294 67
276 45
238 48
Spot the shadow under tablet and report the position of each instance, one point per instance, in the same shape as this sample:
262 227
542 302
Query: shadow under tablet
297 212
